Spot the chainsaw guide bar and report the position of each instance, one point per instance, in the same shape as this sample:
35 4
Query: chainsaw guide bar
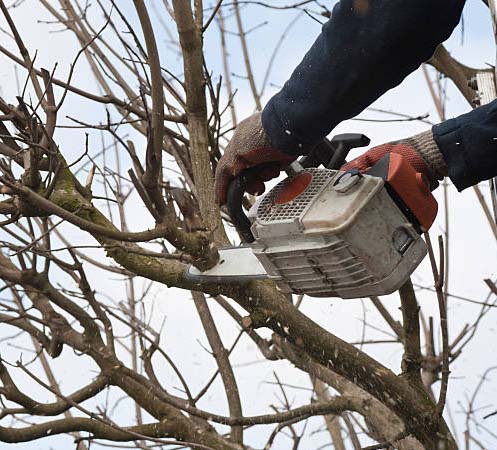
236 264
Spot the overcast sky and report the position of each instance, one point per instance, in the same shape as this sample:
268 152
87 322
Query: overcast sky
472 249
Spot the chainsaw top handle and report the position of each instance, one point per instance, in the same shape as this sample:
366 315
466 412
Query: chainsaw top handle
330 154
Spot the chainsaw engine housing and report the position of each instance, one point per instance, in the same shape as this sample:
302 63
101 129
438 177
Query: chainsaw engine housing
327 233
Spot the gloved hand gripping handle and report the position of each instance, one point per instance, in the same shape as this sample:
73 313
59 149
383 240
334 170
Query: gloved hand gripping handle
330 154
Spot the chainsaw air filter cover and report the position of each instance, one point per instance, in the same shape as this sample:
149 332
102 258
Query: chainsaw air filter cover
327 233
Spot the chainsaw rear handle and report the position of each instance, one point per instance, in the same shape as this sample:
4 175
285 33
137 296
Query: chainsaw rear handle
330 154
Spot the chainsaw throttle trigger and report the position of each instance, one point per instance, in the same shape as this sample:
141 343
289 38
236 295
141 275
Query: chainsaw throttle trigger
234 203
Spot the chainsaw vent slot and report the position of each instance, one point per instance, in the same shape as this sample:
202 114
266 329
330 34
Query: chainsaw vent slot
270 211
320 272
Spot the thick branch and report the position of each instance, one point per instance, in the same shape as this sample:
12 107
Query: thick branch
382 423
411 361
457 72
25 325
154 152
98 429
31 406
81 213
190 36
334 406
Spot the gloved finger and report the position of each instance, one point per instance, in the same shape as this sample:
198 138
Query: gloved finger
413 158
256 187
368 159
373 155
222 181
362 163
260 155
268 171
227 169
230 165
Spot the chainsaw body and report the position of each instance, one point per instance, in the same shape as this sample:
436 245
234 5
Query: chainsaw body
344 236
327 233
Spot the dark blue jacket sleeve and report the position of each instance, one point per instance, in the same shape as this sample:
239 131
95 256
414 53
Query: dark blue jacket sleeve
366 48
469 145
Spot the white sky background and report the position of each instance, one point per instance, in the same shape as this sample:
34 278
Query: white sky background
472 249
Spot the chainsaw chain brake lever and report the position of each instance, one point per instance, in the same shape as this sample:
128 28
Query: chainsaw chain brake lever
330 154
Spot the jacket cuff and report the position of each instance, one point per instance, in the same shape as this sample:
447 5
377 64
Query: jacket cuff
450 140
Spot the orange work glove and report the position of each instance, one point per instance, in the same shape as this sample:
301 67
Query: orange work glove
420 150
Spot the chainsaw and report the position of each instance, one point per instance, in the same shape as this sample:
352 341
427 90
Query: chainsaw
330 233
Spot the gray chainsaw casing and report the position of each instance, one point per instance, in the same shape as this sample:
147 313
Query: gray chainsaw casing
343 236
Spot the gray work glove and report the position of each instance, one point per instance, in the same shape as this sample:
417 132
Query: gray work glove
249 148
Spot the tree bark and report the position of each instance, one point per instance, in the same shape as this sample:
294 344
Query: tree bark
190 37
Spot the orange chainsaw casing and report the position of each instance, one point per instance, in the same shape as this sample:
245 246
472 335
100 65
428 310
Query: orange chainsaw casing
410 186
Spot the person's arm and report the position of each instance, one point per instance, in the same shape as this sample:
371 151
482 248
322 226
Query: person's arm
468 144
366 48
